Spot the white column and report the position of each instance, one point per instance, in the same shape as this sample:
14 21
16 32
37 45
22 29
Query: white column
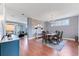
4 19
78 28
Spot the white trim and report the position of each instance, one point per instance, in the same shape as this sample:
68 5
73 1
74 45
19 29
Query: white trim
69 39
31 38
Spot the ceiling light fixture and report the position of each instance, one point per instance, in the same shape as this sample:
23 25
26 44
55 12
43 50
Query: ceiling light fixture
22 14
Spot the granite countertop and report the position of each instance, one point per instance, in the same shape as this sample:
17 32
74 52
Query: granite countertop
14 37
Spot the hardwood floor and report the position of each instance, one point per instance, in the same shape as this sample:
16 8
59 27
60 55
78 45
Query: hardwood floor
36 48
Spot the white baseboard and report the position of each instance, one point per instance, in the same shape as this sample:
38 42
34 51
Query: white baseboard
69 39
31 38
63 38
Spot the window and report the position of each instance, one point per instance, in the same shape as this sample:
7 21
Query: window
60 23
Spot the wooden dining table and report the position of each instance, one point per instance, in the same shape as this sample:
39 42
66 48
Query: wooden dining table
49 36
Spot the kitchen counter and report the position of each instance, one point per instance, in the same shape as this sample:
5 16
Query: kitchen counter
9 47
14 37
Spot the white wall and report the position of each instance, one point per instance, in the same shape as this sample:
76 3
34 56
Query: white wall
31 26
1 18
1 28
17 19
78 28
69 31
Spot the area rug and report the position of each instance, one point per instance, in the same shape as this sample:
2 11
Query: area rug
56 47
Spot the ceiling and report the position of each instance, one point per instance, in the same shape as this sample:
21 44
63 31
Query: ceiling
45 11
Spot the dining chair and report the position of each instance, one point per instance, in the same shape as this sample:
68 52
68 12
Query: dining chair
60 36
44 37
55 39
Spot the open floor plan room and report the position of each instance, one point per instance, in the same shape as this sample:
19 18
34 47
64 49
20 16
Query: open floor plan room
39 29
